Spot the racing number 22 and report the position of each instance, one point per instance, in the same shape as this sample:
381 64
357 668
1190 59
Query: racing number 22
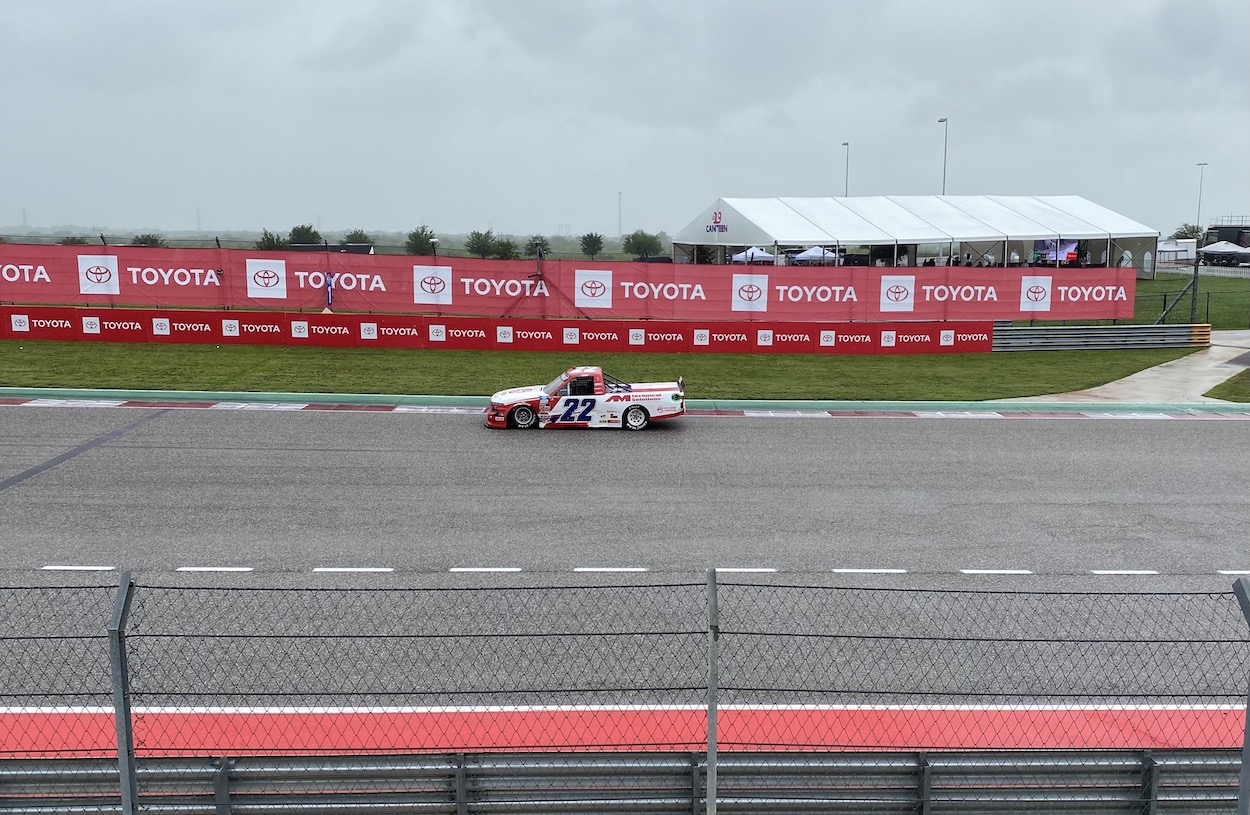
570 410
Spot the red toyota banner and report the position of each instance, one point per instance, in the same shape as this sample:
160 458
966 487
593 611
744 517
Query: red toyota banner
494 334
286 281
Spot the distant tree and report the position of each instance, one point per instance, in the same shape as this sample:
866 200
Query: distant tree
537 245
272 242
358 236
641 244
72 240
704 255
592 244
304 233
148 239
420 241
1188 231
480 244
504 249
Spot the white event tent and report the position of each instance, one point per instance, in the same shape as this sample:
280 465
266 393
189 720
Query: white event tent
908 230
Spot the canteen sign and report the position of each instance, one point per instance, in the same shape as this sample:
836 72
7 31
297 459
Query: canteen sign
397 284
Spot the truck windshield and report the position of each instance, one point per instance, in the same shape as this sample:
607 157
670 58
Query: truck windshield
557 383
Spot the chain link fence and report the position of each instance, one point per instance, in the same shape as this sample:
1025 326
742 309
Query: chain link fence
741 696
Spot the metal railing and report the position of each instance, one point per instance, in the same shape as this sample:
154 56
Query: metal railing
686 697
1099 337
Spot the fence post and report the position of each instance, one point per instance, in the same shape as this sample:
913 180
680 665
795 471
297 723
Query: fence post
713 679
120 669
1242 589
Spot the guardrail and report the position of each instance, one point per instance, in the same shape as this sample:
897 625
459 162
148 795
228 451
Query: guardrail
1099 337
749 783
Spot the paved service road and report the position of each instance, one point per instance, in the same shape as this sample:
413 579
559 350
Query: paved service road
287 492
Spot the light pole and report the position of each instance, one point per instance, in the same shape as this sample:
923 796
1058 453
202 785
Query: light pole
1202 165
618 215
946 131
846 175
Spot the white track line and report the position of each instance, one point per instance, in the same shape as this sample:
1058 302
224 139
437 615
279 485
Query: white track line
472 569
994 571
869 571
78 568
1234 571
352 569
213 569
1122 571
744 570
610 568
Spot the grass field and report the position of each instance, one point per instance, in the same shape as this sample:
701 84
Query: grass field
1224 302
1236 389
956 377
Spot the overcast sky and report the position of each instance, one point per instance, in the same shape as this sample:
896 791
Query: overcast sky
530 117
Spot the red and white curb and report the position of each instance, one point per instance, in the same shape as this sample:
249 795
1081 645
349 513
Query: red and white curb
1092 413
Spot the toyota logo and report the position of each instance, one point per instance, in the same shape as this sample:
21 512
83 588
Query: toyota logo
750 292
594 288
265 278
19 323
99 274
433 284
1035 293
897 294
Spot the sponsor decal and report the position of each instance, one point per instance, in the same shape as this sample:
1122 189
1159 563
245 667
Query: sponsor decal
777 337
19 322
229 328
466 333
533 334
91 325
618 397
764 337
817 294
503 333
600 336
322 330
572 336
347 281
592 288
959 294
1091 294
903 339
299 329
26 273
438 333
637 336
670 336
828 339
97 274
716 225
266 279
508 287
1035 293
702 336
155 276
898 292
160 326
192 328
399 331
431 285
750 292
663 291
947 337
733 336
368 331
887 339
978 337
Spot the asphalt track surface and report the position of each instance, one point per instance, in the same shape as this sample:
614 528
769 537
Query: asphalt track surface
284 493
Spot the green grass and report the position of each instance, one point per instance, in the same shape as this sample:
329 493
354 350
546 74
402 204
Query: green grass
1236 389
954 377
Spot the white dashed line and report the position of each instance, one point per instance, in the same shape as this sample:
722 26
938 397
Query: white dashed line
1234 571
870 571
610 569
1122 571
744 570
484 569
78 568
213 569
352 569
994 571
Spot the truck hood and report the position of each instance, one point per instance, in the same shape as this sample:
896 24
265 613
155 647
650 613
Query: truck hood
513 395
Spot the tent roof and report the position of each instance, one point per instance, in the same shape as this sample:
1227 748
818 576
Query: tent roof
888 220
1224 248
